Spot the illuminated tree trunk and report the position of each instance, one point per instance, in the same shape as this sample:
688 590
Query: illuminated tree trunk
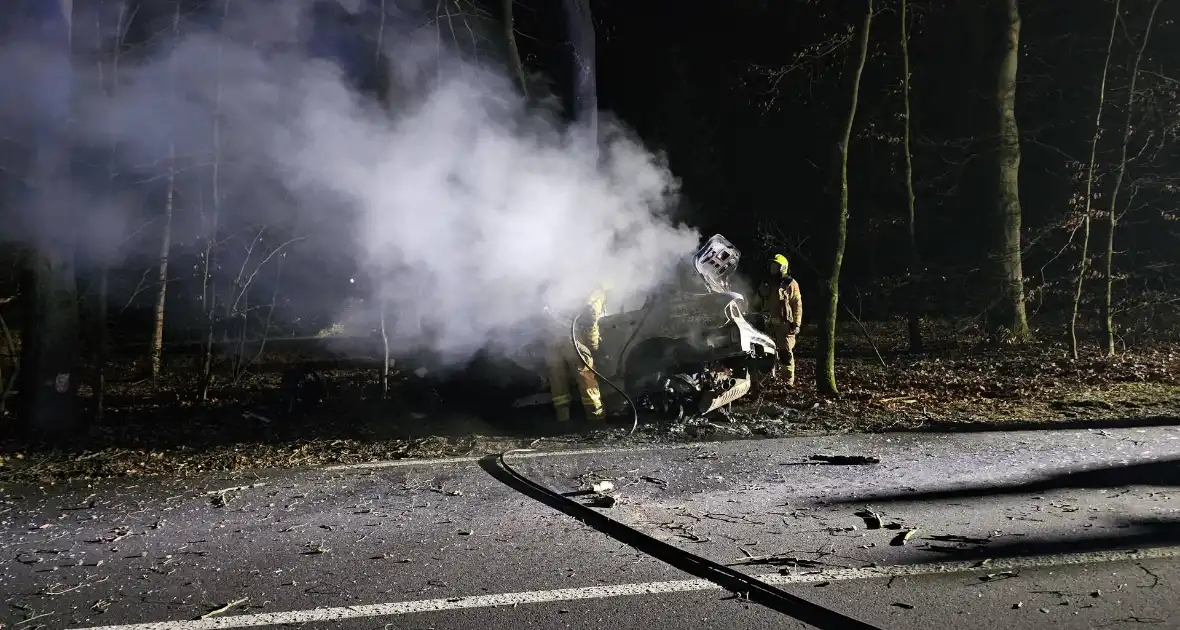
1084 263
212 228
157 347
913 317
1011 315
825 377
1108 262
513 50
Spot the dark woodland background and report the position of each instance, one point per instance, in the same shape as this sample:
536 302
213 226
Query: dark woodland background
749 100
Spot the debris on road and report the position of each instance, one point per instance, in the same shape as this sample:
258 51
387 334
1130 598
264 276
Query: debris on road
318 549
236 488
1002 575
602 486
224 609
219 498
903 606
903 537
872 519
602 501
846 460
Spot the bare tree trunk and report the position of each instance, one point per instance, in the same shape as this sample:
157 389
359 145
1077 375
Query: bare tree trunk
7 381
157 347
1084 263
913 317
101 354
513 50
238 361
208 284
102 326
825 378
49 343
385 348
1013 318
1108 263
377 50
580 24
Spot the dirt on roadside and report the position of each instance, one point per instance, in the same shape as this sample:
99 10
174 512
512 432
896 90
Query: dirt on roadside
958 384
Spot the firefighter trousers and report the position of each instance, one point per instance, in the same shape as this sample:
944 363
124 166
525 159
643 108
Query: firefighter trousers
785 340
564 363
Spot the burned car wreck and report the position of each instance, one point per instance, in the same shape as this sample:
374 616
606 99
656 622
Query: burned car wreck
687 351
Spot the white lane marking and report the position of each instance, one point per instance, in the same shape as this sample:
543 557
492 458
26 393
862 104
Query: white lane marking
396 463
649 588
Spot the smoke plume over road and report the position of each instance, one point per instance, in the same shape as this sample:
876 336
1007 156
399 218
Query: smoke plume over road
467 211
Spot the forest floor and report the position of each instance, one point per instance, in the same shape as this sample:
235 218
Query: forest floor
958 384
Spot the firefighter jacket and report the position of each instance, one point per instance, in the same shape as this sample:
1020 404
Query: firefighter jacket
781 301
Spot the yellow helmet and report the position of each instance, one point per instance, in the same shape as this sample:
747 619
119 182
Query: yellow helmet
781 261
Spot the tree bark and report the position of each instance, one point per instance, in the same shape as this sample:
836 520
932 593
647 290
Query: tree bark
208 282
103 344
49 351
385 362
513 50
1084 262
825 378
102 326
157 346
1108 258
913 317
580 24
1012 319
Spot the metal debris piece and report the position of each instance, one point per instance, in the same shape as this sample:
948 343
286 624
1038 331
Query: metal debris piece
224 609
846 460
1002 575
903 605
602 501
235 488
903 537
250 415
871 518
602 486
318 549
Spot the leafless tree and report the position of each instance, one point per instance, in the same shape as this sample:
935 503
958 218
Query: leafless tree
1120 174
1013 318
825 376
157 346
1084 262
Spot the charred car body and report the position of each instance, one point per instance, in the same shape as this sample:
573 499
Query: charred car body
687 352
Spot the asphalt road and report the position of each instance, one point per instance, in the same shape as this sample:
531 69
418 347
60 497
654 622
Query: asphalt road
1011 530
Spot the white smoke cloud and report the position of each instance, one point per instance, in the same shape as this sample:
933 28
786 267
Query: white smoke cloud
469 212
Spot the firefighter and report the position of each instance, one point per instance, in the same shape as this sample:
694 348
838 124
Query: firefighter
782 301
564 361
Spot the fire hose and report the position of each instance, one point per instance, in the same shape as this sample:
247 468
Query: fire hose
747 586
590 366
